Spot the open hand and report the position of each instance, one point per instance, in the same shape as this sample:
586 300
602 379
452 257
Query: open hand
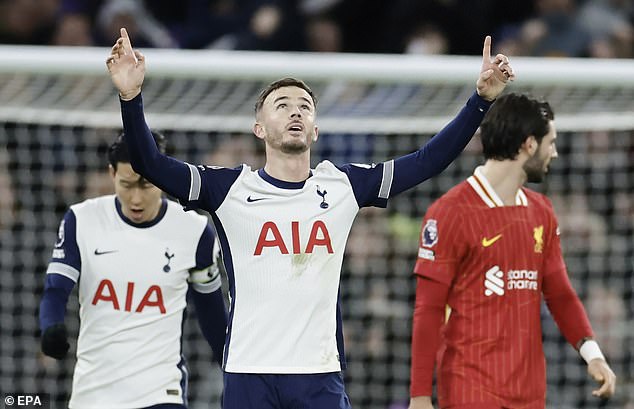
600 371
494 74
126 67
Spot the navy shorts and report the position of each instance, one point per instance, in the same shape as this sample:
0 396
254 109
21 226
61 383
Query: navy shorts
282 391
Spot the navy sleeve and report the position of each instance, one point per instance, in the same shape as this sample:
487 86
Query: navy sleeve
374 184
441 150
212 319
370 183
62 273
66 259
207 293
57 288
204 253
213 184
168 174
203 187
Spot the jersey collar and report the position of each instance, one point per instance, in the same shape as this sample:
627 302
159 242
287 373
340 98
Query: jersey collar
280 183
483 188
143 225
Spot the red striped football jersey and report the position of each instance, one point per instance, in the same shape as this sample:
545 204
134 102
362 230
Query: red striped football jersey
495 259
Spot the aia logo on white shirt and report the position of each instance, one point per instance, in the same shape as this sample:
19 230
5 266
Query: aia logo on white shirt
271 236
106 293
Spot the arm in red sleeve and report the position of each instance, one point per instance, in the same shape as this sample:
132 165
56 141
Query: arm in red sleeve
566 308
429 316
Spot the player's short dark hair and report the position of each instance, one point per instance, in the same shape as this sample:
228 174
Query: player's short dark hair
118 150
512 119
284 82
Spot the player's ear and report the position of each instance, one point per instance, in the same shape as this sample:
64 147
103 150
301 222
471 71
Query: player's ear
112 171
530 145
316 135
258 130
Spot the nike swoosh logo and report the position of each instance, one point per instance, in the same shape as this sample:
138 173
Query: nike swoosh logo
99 253
487 242
251 200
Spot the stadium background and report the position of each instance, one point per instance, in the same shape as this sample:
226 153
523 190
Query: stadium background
58 112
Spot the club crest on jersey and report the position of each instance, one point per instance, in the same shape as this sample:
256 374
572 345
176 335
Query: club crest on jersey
429 236
323 204
538 235
168 256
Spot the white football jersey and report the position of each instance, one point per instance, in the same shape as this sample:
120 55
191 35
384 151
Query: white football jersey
283 245
133 281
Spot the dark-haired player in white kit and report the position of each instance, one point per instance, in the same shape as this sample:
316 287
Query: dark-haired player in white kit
134 255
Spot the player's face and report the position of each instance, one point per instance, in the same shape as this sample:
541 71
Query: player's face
286 121
140 200
537 166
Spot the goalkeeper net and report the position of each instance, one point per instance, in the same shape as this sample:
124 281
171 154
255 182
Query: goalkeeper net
59 111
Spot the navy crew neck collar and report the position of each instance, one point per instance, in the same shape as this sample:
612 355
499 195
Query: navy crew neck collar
143 225
281 183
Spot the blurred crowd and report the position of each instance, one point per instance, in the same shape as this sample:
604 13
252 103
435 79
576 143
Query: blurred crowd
564 28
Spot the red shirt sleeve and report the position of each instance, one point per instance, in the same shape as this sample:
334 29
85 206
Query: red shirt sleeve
440 250
429 316
440 243
561 298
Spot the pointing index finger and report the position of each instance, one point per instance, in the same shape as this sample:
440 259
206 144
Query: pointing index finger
486 50
127 45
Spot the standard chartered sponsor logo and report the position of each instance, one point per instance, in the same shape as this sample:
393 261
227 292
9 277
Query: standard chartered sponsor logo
522 280
494 281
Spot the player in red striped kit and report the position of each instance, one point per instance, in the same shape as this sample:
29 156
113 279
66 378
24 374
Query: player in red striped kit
489 250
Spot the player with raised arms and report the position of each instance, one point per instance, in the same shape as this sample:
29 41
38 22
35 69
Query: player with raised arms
283 229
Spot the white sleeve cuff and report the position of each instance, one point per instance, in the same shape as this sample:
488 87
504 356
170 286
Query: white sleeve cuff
590 350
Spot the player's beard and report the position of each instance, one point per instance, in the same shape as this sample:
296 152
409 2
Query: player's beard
535 169
296 145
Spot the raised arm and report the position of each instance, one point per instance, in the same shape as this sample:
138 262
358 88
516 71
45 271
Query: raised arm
444 147
127 71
